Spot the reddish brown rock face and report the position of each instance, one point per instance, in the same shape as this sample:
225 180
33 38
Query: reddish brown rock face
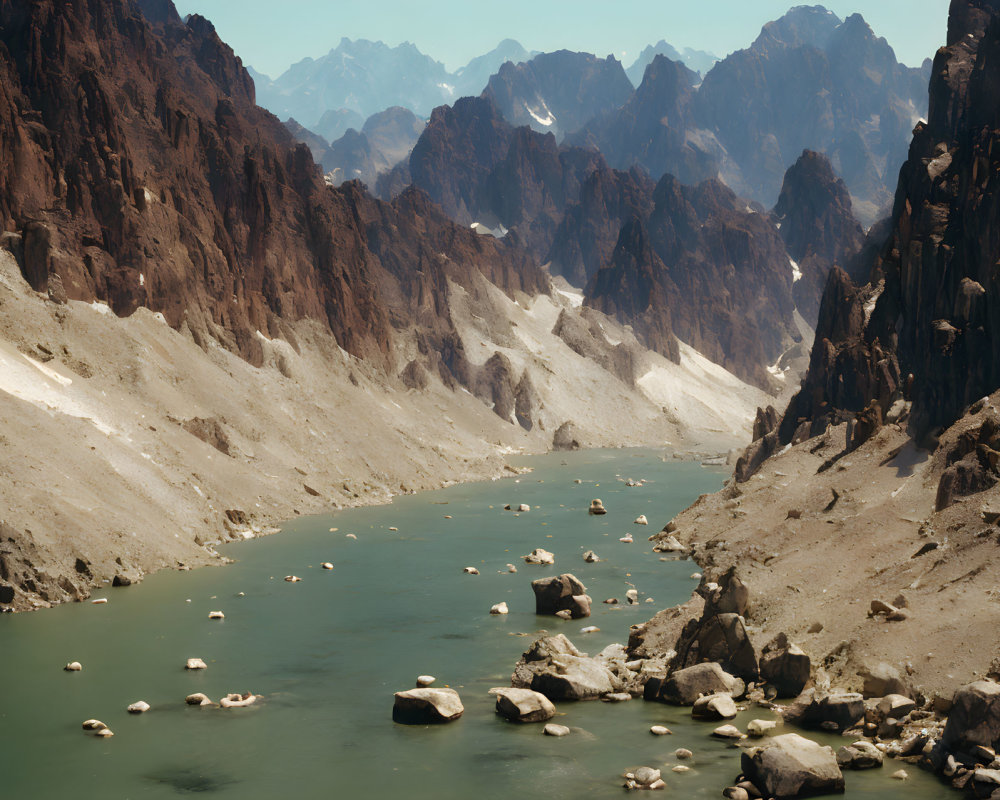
137 168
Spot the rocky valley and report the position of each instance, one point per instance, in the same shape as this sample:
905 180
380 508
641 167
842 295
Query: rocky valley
775 269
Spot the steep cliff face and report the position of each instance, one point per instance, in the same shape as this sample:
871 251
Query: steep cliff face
588 233
703 268
925 326
137 159
480 168
558 92
817 225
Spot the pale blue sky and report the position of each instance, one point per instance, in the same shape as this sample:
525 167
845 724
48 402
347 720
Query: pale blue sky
272 35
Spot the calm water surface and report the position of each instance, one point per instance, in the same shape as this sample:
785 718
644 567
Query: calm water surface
327 653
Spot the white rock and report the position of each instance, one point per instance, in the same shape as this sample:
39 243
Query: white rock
759 728
590 629
326 565
73 666
423 681
470 571
93 725
632 595
539 556
900 775
627 538
555 730
292 579
139 707
499 608
216 615
524 508
660 730
236 700
195 663
104 733
100 601
511 568
198 699
641 520
683 753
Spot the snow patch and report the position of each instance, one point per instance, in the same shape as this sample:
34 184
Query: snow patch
33 382
796 272
549 118
575 297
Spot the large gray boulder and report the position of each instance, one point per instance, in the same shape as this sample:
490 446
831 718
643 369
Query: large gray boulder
523 705
684 686
792 766
785 666
423 706
555 668
561 593
974 718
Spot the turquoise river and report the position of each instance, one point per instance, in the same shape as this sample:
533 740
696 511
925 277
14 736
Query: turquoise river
328 652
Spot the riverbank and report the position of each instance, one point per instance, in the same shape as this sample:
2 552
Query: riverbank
327 653
822 536
128 447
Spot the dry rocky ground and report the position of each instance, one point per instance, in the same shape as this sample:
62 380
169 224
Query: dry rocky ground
818 538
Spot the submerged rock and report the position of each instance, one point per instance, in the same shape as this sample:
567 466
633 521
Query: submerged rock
423 706
236 700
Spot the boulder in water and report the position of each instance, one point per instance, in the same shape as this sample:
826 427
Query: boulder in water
523 705
561 593
236 700
73 666
198 699
499 608
423 706
140 707
552 729
792 766
195 663
539 556
714 706
597 507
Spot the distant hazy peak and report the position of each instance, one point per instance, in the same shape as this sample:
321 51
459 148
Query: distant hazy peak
700 61
802 25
